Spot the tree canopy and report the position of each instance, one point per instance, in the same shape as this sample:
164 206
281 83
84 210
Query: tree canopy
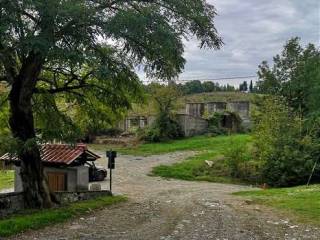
294 75
82 53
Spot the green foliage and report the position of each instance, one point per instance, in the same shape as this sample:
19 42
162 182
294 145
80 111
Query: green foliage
221 123
196 86
215 124
42 218
6 179
236 156
165 126
285 148
86 54
295 75
208 148
4 117
287 139
302 201
112 132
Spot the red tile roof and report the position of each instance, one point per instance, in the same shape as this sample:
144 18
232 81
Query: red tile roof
58 153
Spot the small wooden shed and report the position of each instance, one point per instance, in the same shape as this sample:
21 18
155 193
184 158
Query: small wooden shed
64 166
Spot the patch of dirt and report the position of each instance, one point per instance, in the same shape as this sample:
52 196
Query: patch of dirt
172 209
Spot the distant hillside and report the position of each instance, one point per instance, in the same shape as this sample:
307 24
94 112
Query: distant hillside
213 97
149 109
217 96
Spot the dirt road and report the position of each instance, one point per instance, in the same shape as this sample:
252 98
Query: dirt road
171 209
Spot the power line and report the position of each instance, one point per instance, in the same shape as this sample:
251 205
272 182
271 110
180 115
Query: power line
207 79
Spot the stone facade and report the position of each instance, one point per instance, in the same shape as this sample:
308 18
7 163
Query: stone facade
215 107
13 202
135 122
10 203
192 125
195 109
243 109
240 107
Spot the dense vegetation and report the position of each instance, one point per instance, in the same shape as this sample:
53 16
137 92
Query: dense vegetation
68 64
165 125
196 86
287 139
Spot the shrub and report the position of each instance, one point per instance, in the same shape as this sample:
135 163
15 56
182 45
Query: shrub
112 132
164 128
284 146
221 123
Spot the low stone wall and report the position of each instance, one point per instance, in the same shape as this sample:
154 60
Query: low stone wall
10 203
13 202
70 197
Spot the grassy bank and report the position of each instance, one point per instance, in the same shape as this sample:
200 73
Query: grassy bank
42 218
6 179
198 143
195 168
302 201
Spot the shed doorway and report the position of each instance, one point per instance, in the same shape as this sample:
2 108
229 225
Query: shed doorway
57 181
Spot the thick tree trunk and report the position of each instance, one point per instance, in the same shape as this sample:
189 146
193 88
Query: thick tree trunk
36 191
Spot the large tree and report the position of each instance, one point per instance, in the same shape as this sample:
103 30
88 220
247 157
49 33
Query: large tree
295 75
83 51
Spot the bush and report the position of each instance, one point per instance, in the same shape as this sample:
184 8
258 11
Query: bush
112 132
225 122
285 148
240 164
163 129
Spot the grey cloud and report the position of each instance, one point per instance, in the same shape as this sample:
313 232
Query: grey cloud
253 31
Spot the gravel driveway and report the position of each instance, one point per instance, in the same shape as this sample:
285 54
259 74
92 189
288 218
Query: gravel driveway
172 209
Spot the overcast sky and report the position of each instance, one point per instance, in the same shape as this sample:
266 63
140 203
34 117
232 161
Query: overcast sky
252 31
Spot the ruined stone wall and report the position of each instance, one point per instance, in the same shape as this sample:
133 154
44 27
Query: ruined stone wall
240 107
192 125
215 107
195 109
243 109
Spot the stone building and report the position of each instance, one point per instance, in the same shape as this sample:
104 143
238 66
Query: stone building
192 125
242 108
199 109
131 123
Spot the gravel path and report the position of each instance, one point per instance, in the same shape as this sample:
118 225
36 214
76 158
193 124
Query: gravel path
172 209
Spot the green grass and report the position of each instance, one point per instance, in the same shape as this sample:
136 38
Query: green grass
42 218
302 201
192 168
6 179
198 143
195 168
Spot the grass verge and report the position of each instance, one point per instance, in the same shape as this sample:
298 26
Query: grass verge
195 168
41 218
6 179
198 143
302 201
